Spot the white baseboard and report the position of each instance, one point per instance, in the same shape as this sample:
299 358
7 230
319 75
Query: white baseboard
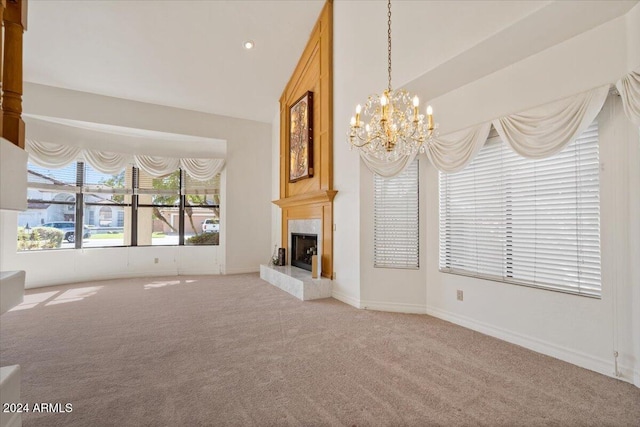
206 271
100 277
578 358
379 306
354 302
241 270
396 307
628 374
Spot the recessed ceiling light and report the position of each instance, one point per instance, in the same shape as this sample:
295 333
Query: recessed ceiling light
249 44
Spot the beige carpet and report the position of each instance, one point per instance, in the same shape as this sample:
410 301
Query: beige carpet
234 350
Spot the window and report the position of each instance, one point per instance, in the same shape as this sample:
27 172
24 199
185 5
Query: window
103 205
529 222
396 231
158 209
49 221
202 211
107 198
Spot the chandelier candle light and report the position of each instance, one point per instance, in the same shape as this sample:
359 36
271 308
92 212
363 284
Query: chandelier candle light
393 126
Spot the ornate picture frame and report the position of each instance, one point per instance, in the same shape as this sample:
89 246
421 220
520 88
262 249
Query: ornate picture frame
301 138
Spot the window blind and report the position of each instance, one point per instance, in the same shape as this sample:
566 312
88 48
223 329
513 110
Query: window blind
396 220
530 222
62 178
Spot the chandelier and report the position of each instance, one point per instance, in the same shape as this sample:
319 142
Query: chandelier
391 126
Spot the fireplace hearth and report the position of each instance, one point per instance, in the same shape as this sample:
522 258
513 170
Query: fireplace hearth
303 247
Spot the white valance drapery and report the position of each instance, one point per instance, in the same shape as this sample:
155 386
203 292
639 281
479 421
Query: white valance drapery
535 133
453 152
106 162
50 155
629 89
202 169
386 169
450 153
156 166
543 131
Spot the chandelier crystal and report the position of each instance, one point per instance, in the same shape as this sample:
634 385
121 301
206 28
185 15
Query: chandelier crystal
391 126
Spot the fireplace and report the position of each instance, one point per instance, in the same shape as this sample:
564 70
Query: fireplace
303 247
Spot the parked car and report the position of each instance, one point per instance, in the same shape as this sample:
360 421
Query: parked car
211 225
69 229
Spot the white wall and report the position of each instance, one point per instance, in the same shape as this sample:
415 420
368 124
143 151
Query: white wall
246 223
580 330
594 58
633 38
401 290
13 164
276 212
633 159
63 266
348 90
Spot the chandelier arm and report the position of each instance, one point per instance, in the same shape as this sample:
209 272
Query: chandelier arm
370 137
422 138
360 145
365 142
359 137
369 140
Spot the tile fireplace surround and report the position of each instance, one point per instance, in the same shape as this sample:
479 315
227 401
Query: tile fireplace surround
306 226
310 213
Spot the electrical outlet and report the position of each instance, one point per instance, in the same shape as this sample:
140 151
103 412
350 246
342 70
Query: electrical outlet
155 260
460 295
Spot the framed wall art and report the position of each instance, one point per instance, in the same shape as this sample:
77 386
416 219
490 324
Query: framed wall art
301 138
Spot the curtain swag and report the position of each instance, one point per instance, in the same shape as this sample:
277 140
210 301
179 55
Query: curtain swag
453 152
202 169
386 169
629 89
52 155
156 166
543 131
109 163
535 133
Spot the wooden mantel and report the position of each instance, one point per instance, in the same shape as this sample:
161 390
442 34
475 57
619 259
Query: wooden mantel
322 196
311 198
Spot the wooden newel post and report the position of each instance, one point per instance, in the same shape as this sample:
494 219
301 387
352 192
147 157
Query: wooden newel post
14 19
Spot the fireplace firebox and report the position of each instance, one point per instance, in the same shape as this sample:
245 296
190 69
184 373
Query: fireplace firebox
303 247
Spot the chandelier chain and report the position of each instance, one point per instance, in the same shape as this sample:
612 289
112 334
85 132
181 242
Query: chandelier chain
390 126
389 41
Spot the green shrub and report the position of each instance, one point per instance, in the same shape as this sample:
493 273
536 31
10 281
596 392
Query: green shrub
51 237
39 238
204 239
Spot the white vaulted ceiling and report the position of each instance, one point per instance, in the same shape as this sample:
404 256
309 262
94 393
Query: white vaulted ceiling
188 54
185 54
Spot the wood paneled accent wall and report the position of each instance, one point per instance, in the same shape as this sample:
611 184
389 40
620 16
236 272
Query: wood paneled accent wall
312 198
